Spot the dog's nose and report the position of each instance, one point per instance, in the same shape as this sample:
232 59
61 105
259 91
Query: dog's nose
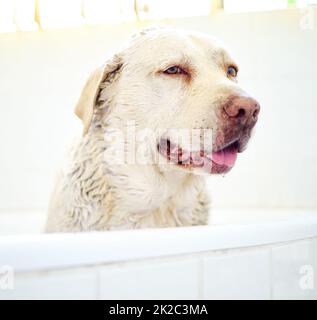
243 109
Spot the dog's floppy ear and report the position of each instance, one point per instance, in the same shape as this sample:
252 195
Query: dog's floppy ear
89 96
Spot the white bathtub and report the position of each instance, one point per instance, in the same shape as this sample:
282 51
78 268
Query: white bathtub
246 254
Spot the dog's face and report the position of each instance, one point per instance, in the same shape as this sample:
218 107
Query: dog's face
180 86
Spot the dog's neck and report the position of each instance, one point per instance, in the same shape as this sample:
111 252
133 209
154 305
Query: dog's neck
94 194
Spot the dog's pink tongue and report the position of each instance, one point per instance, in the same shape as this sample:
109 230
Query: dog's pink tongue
225 157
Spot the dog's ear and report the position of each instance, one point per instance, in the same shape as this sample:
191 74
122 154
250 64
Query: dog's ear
97 80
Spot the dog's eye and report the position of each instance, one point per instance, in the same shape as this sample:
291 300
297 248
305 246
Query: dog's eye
174 70
232 72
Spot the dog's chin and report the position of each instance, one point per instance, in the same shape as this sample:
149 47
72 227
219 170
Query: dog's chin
202 161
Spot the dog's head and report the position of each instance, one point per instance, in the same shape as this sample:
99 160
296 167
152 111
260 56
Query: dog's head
174 83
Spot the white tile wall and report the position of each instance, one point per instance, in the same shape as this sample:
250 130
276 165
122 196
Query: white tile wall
176 279
64 284
294 270
271 272
237 275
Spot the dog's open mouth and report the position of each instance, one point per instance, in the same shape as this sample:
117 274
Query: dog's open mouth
220 161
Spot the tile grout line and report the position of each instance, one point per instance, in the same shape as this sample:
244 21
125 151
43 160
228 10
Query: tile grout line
200 279
98 290
271 272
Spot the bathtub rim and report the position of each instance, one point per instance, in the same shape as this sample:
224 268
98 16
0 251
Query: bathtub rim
48 251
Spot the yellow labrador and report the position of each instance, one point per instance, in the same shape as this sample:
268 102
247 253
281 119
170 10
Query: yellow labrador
132 168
